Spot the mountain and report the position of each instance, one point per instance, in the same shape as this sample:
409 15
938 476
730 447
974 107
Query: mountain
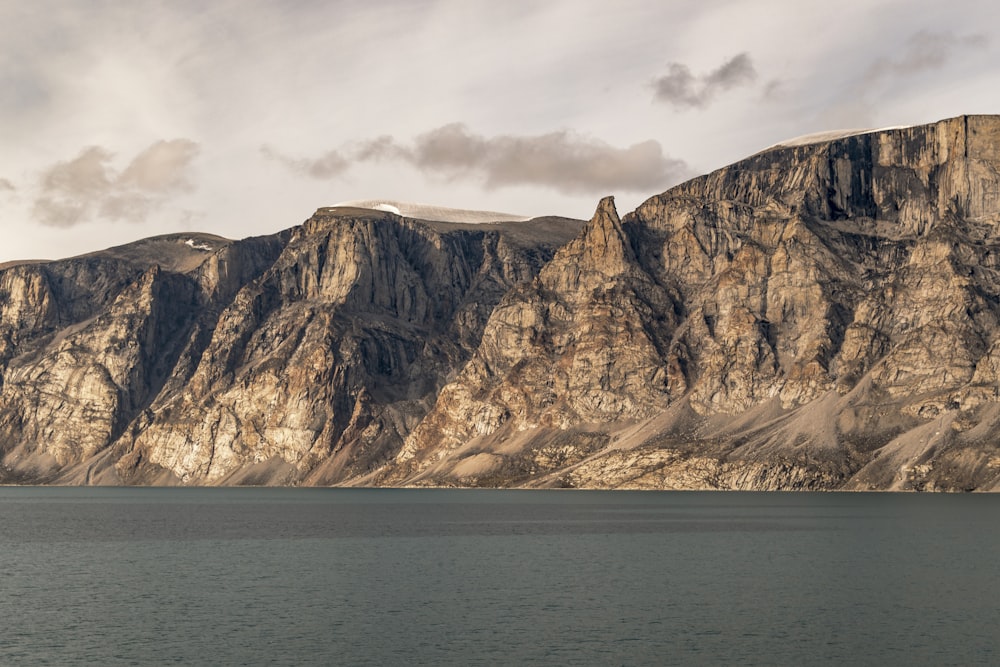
824 314
302 357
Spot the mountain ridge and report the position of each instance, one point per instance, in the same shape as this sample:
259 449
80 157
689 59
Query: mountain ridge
824 315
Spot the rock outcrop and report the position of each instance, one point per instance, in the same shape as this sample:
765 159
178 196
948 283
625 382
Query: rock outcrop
818 316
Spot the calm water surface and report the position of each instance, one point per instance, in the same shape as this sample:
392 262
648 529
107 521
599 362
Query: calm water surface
402 577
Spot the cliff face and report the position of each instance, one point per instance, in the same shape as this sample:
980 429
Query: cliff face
299 358
816 316
87 343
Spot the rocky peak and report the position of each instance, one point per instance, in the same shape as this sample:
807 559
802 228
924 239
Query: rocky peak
595 258
604 241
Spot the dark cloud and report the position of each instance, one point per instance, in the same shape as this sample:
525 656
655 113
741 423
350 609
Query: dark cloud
7 186
923 51
74 191
682 89
563 161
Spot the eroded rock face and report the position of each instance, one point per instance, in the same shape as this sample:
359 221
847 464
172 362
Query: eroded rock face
318 368
300 358
795 320
91 341
818 316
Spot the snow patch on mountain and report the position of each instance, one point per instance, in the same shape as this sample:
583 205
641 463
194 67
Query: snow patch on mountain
831 135
431 212
197 246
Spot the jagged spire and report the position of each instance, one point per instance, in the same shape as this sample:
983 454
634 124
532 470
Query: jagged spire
604 239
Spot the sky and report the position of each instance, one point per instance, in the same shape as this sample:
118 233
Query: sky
121 120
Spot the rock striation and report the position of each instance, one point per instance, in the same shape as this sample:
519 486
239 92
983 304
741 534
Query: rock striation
820 315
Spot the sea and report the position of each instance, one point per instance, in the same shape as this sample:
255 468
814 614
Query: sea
290 576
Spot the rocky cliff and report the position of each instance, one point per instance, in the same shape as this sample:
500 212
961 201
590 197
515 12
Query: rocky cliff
816 316
304 357
821 315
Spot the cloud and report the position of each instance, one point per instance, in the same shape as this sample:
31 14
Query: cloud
161 168
924 50
379 148
329 165
336 162
683 90
6 186
74 191
563 161
70 189
775 89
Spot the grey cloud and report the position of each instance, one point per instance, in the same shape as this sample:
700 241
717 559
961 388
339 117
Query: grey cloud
774 89
76 190
563 161
7 186
452 148
335 162
329 165
924 50
682 89
734 72
379 148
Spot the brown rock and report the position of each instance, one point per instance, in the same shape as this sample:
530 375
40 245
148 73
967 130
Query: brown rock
820 315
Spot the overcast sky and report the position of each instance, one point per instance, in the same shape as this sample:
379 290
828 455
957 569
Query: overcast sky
121 120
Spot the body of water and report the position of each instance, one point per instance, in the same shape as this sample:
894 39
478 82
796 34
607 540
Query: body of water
405 577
